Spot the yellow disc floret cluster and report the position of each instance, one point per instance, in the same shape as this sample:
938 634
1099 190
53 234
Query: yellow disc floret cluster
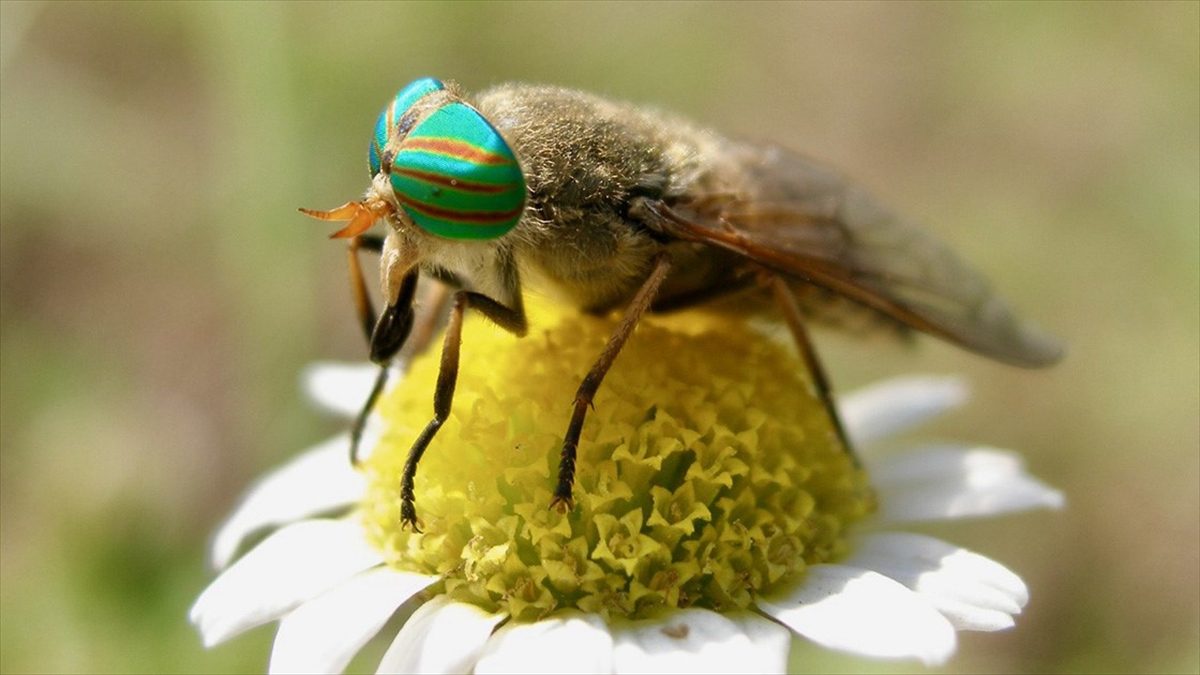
707 473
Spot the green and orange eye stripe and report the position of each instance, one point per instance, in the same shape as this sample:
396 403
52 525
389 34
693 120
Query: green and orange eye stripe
386 124
453 174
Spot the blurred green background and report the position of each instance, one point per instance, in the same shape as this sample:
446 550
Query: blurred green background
160 293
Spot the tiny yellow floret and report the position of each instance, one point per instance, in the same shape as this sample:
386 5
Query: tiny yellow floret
708 472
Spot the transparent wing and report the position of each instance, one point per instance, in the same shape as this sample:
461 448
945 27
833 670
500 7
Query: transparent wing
806 222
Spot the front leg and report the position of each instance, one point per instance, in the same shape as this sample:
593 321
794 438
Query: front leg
510 318
563 500
386 337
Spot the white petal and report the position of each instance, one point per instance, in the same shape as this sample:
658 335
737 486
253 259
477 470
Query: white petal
945 482
702 641
571 642
441 636
316 481
864 613
340 388
292 565
323 634
972 591
897 405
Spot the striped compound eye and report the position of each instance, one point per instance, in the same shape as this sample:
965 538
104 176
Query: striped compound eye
388 120
456 177
453 174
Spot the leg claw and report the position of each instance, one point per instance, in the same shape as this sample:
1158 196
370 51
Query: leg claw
562 503
408 518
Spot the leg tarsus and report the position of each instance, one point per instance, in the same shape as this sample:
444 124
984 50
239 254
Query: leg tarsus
510 318
443 396
360 422
563 492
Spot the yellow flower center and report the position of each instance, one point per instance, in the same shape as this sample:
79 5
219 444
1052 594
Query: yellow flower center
707 473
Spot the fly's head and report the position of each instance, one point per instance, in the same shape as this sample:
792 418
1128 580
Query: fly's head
442 177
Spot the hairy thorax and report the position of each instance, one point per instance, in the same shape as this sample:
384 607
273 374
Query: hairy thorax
586 160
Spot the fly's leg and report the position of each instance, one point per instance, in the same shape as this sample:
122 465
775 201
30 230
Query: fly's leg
360 420
510 319
786 299
358 284
563 500
388 333
392 329
443 396
366 319
432 308
370 242
386 336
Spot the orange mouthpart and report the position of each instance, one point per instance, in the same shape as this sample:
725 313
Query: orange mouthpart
361 214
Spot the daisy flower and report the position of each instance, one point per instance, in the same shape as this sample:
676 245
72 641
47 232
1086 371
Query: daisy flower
716 516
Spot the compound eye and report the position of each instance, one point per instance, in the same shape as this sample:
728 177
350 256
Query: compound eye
385 124
456 177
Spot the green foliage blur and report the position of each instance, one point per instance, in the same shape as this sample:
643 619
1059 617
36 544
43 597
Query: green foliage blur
160 293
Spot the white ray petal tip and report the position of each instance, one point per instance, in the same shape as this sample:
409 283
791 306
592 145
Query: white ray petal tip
935 391
317 480
863 612
1051 498
265 584
1003 622
212 630
949 390
336 387
893 406
973 591
948 481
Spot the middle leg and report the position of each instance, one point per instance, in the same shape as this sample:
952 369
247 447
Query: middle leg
563 500
511 319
